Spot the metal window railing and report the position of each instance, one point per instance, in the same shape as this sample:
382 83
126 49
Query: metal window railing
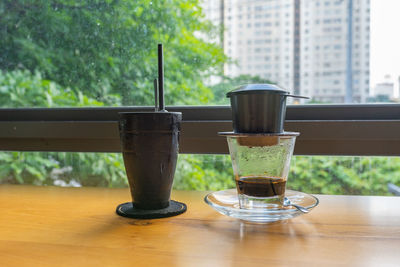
325 129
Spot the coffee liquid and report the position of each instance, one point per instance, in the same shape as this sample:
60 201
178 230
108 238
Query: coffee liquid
261 186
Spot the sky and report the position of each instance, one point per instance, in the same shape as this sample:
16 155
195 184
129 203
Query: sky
385 41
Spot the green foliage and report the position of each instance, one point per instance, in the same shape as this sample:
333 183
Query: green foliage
20 88
21 167
205 172
65 169
344 175
110 47
91 169
317 174
91 53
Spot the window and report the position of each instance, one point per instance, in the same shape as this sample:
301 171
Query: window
96 86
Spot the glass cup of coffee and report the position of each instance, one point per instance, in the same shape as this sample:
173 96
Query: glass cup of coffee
150 148
261 165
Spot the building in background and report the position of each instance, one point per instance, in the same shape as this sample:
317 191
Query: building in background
324 50
302 45
396 91
383 91
214 12
259 37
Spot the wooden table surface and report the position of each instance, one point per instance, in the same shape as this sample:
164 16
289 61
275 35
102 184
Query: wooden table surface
49 226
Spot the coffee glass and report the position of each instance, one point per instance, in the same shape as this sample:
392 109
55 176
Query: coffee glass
150 147
261 165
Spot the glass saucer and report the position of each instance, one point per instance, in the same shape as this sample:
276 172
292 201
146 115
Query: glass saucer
226 202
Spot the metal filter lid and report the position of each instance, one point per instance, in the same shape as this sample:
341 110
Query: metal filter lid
258 89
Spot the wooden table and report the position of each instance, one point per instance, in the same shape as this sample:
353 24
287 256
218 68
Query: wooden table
48 226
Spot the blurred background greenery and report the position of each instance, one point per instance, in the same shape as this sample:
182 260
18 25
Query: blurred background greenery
70 53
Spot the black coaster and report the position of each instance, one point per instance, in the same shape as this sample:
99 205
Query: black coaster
174 208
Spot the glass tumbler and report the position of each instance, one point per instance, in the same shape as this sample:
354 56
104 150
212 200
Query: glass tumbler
261 165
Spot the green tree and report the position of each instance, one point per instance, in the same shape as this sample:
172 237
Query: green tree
108 47
311 174
344 175
91 53
24 89
203 172
21 88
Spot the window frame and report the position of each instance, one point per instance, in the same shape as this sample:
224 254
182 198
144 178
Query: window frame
353 129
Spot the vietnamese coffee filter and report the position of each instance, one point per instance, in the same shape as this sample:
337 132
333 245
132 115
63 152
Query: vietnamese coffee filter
258 108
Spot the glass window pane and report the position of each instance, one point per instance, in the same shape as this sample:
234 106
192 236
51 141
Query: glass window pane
90 53
95 53
336 52
311 174
63 169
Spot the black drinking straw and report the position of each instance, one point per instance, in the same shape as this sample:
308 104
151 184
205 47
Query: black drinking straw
160 78
156 95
